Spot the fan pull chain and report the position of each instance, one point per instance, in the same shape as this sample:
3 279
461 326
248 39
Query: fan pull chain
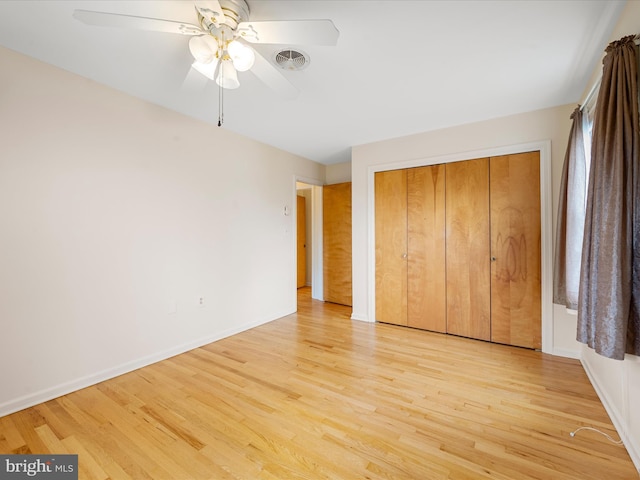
220 105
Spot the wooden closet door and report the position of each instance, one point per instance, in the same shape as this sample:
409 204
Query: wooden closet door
301 210
427 307
468 251
336 224
515 246
391 246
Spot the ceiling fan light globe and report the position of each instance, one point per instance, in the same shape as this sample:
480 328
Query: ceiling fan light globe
235 48
243 64
203 48
227 75
242 56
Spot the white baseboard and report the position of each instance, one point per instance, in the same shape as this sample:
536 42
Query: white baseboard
616 416
360 317
559 352
68 387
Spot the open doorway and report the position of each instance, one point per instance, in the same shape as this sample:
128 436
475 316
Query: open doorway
323 251
313 272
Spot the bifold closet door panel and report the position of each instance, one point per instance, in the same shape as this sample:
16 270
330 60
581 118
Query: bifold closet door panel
391 246
336 226
468 249
427 307
515 249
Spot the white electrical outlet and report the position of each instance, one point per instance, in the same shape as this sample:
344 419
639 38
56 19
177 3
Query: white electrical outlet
201 301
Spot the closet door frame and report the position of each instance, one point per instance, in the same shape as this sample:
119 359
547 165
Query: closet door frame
546 220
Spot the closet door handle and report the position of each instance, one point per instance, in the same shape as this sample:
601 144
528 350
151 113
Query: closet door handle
493 259
404 255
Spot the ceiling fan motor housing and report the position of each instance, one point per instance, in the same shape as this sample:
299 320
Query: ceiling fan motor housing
235 12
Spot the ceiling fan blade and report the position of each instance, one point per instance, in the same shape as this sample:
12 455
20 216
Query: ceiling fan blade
211 10
291 32
271 77
195 81
207 70
104 19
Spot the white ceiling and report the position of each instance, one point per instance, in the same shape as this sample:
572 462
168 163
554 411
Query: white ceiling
400 67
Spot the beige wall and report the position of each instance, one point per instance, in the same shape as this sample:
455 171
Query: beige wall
338 173
117 216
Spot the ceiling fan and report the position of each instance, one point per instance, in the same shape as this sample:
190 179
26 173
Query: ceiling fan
221 40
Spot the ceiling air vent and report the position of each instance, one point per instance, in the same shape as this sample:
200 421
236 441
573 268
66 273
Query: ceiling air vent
291 60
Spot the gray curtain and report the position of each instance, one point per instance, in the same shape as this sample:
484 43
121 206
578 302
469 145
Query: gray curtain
609 303
571 212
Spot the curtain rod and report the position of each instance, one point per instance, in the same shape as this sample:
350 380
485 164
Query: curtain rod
595 86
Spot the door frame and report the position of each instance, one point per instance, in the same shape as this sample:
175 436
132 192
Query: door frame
316 234
546 220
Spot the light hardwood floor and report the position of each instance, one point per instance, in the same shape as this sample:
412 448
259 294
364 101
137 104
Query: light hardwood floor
315 395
